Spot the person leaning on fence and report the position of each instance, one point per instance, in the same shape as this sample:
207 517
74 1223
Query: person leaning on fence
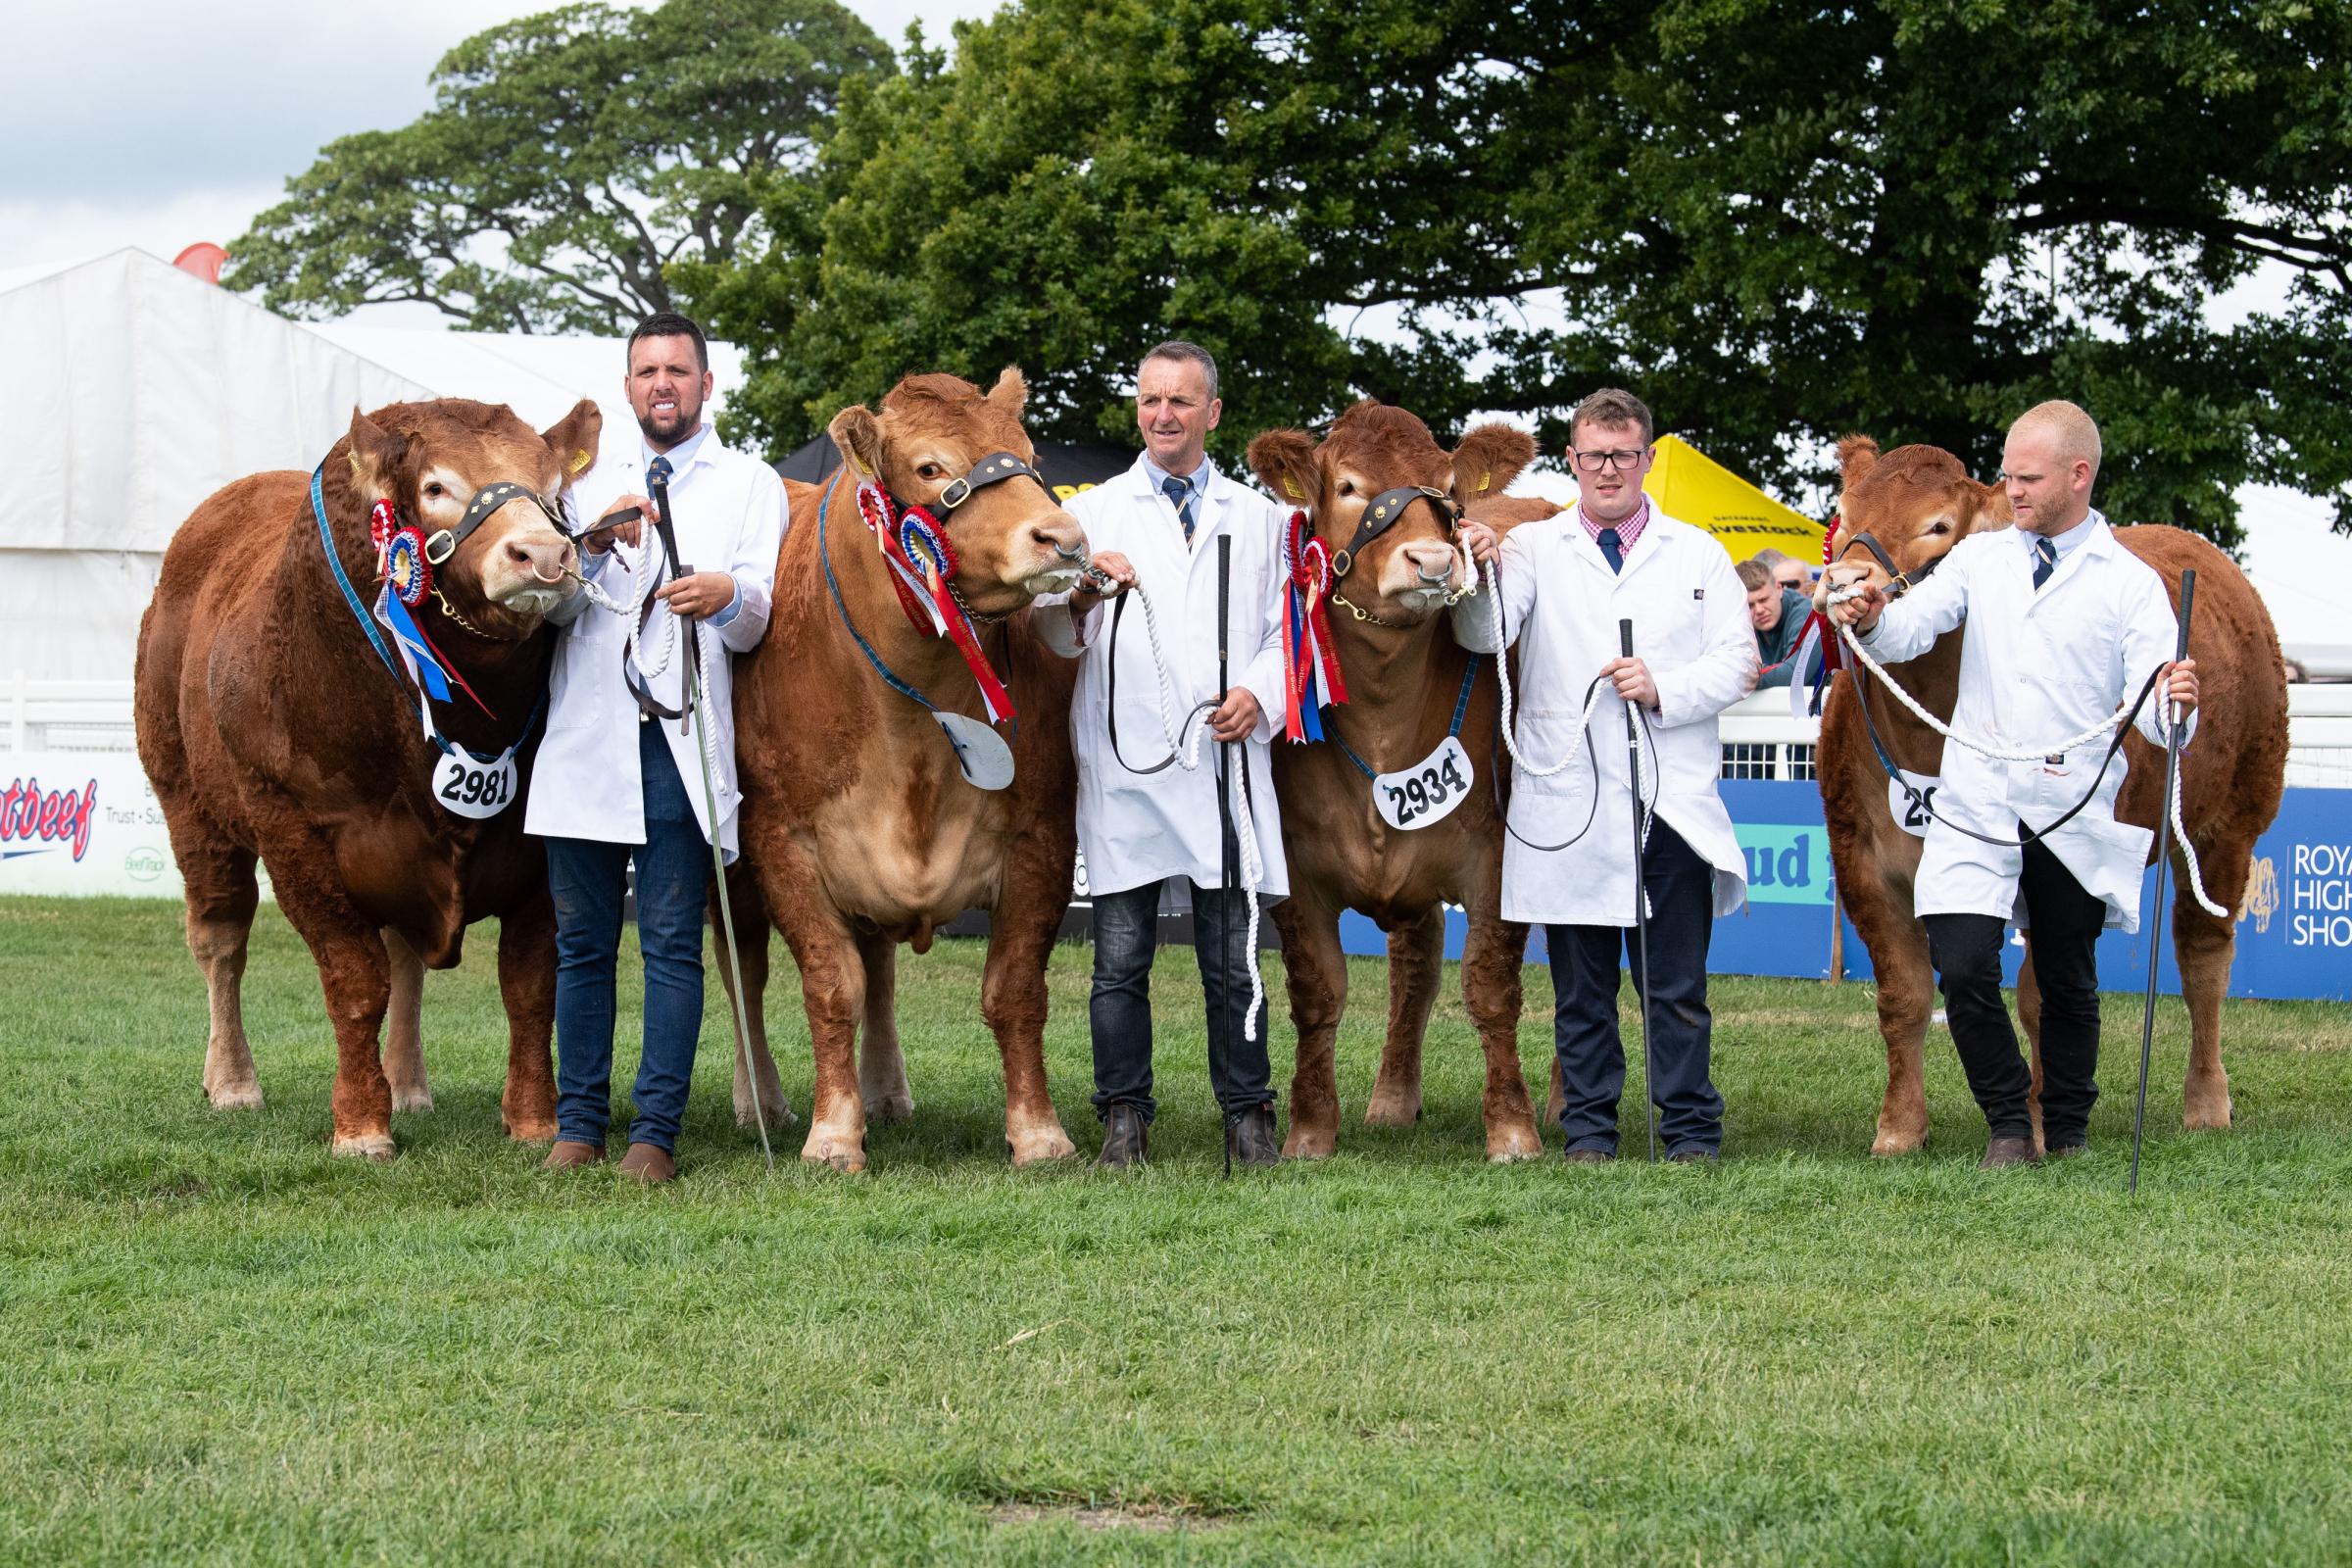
2063 624
1565 582
615 782
1779 615
1158 526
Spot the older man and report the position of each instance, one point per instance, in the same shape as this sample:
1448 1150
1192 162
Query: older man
1141 821
620 775
1572 861
2063 626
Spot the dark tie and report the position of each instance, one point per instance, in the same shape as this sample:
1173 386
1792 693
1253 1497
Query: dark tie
2045 560
1180 496
658 472
1610 550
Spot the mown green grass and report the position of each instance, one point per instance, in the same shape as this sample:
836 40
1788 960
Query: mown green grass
219 1344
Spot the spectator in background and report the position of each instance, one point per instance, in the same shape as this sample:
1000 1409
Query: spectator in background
1778 615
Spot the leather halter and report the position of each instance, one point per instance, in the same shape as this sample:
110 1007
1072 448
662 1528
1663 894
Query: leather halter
443 543
1898 583
995 469
1382 515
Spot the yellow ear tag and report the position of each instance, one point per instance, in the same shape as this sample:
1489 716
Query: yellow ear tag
1484 480
579 463
1290 487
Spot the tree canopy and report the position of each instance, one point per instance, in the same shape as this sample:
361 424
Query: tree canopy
569 158
1777 223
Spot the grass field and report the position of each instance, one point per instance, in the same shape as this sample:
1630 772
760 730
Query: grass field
219 1344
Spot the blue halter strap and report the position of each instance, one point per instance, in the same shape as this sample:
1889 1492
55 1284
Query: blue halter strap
1462 706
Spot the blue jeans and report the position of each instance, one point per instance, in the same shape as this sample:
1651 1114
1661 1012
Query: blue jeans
1585 980
588 878
1119 1013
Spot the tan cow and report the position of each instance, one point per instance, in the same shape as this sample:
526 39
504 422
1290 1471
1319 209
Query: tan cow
1404 675
1918 502
859 828
272 729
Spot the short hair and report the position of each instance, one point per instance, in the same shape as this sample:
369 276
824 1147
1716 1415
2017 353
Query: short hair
2074 433
1177 348
1769 557
1753 574
670 323
1612 406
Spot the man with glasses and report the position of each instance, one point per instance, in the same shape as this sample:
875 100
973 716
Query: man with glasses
1570 860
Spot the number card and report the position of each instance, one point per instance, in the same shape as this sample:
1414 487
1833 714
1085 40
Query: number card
980 752
1427 792
469 788
1911 813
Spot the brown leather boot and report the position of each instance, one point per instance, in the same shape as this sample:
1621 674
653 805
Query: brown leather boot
2004 1153
568 1155
1126 1138
1250 1137
650 1165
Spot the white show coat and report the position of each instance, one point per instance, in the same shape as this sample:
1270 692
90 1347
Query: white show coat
1136 829
728 513
2037 667
1561 604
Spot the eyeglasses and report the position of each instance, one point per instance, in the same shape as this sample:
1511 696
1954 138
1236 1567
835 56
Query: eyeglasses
1593 462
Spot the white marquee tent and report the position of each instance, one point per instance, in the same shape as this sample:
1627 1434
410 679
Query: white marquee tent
137 390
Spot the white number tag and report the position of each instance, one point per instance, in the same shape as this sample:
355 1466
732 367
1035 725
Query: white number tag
1910 809
468 788
986 761
1427 792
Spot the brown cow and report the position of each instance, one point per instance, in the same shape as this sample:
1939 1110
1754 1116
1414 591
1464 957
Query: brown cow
271 729
2231 779
858 827
1405 673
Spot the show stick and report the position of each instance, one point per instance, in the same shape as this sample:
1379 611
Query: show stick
2164 855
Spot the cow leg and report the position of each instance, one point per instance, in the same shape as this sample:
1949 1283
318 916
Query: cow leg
1493 964
881 1067
2205 948
356 975
1416 965
221 895
526 984
832 995
1012 994
2029 1013
404 1027
1316 972
1906 999
748 958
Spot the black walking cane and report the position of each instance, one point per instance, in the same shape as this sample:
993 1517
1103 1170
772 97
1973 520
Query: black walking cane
698 704
2164 855
1633 773
1229 867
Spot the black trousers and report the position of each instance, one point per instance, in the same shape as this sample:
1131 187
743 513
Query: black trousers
2062 933
1585 980
1119 1013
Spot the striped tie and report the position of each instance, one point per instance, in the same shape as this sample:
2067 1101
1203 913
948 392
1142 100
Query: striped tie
2045 560
1180 496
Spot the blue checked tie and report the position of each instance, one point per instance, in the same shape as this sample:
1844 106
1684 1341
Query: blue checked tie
1610 550
2045 560
1180 496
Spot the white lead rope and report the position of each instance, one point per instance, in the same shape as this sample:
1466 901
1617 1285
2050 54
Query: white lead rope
642 587
2035 753
1184 741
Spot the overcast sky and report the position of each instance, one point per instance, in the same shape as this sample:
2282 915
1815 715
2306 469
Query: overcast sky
181 122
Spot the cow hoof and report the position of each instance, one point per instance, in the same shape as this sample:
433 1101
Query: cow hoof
241 1096
367 1146
780 1114
1393 1111
1310 1144
533 1132
1040 1145
1512 1144
1890 1144
844 1153
2206 1113
891 1107
411 1099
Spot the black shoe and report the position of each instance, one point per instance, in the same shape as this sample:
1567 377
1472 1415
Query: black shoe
1250 1137
1587 1157
1126 1138
2003 1153
1692 1154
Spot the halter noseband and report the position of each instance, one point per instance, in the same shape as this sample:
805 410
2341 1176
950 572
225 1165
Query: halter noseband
1898 583
1382 515
443 543
995 469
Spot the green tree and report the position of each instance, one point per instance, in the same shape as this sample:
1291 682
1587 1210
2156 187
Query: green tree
569 158
1778 223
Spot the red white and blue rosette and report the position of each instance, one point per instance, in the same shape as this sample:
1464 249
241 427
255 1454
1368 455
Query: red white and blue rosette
1311 660
407 572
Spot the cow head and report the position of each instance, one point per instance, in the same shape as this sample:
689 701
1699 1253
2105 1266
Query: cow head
1916 502
1012 540
431 459
1403 573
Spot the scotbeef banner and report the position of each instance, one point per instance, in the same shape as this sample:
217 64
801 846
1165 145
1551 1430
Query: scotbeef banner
83 823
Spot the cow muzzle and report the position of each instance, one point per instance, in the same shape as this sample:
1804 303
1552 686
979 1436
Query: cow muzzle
1064 545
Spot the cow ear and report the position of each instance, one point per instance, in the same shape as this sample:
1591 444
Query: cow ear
375 456
1489 459
1857 455
1284 462
574 438
1991 509
1010 394
860 439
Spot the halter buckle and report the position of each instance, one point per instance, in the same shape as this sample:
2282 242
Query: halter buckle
957 492
440 547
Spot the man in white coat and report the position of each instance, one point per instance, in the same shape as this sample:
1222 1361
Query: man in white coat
2064 627
1140 819
1570 853
619 772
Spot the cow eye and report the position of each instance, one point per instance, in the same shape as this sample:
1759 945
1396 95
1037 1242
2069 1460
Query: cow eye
432 487
1347 487
929 471
1937 530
